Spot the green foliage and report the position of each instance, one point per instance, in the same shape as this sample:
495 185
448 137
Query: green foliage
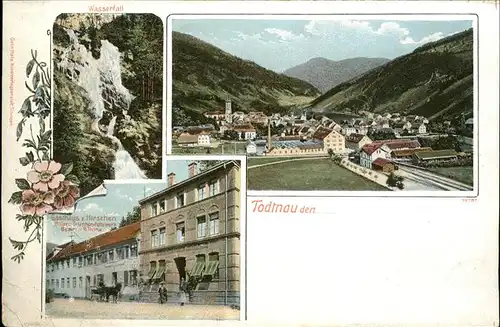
434 80
380 135
441 143
207 164
230 135
204 76
49 295
132 217
395 181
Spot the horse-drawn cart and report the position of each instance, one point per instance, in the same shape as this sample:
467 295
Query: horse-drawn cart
102 292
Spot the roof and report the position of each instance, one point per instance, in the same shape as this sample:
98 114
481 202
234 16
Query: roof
183 183
408 152
244 128
294 144
354 137
371 148
448 153
187 138
112 237
400 144
321 133
51 248
381 162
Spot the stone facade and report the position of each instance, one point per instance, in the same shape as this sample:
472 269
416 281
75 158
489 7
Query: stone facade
195 220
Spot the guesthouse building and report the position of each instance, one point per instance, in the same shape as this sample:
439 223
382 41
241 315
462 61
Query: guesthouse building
112 257
191 230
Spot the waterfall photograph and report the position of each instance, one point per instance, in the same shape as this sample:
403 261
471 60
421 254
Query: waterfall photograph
108 96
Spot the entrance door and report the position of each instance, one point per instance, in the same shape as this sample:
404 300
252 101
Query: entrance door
181 267
114 278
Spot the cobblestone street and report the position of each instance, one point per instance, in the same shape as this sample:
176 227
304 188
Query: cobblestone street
65 308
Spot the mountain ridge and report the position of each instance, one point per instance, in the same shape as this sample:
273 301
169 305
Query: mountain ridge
325 73
435 80
204 76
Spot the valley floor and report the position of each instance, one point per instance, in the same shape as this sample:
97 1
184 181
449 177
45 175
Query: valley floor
320 174
227 148
85 309
461 174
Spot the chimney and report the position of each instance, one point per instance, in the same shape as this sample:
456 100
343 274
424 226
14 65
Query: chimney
193 169
269 145
171 179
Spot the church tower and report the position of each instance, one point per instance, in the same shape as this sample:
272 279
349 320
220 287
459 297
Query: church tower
229 112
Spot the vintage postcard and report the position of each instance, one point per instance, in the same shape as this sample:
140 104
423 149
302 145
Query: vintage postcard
131 132
393 111
157 249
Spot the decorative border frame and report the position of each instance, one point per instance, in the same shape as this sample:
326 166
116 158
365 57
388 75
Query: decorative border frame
49 185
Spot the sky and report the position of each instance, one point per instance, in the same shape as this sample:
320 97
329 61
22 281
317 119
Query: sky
282 44
119 200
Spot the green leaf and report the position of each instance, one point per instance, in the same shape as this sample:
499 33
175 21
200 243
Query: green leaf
23 184
36 79
18 257
16 197
73 179
46 136
16 244
45 155
24 161
19 129
26 107
29 67
42 125
66 168
30 156
22 217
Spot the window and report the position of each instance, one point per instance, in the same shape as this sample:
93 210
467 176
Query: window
120 254
152 270
67 283
154 209
57 283
74 282
95 280
162 236
52 266
202 226
95 258
213 187
163 206
201 192
198 266
180 232
212 267
127 252
179 199
99 258
133 250
111 255
80 282
80 261
154 238
74 262
214 223
67 263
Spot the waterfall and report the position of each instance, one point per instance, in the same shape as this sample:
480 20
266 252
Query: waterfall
101 79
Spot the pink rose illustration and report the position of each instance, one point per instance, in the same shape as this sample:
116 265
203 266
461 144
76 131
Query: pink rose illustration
36 202
45 176
66 195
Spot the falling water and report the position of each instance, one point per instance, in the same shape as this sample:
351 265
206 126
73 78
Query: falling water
98 77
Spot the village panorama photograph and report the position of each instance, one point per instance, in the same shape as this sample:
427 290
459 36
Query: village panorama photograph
339 104
151 250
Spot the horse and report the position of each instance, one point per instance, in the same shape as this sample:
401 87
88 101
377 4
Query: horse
114 292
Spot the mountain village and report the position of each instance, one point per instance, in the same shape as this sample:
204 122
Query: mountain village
375 142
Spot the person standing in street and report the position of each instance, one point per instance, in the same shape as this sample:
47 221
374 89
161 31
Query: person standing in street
162 292
183 290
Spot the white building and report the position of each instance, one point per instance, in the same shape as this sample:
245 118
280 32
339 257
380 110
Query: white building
204 139
370 152
111 257
251 148
245 132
